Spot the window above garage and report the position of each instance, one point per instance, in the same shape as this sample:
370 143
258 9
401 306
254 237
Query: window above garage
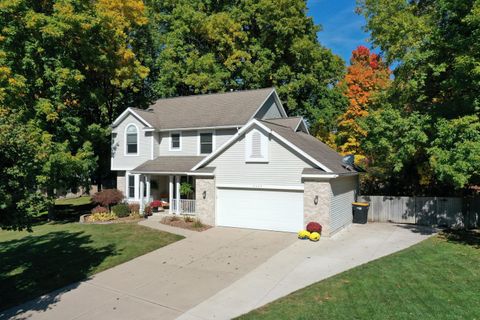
256 146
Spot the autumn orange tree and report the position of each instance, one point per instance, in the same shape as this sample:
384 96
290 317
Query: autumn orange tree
366 77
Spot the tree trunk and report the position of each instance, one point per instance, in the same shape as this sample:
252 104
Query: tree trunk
51 205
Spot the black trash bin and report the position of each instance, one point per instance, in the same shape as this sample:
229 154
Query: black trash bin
360 212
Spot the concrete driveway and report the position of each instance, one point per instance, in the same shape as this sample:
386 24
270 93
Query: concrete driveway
164 283
217 274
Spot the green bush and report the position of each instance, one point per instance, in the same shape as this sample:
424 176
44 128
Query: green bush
121 210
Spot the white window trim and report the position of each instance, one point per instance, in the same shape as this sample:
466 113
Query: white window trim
170 141
125 151
135 184
199 139
264 140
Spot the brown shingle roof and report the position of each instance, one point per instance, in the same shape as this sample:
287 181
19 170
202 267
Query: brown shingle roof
312 146
291 122
171 164
208 110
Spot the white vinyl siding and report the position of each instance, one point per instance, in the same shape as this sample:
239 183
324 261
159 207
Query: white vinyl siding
283 169
120 159
188 144
343 194
223 135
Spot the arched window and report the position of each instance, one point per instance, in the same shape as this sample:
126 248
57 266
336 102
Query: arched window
132 139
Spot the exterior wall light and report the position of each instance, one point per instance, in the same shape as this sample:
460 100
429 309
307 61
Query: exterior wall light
315 200
204 194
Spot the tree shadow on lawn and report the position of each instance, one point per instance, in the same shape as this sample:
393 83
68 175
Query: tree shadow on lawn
465 237
36 265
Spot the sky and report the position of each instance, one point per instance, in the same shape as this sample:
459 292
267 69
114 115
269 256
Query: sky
342 27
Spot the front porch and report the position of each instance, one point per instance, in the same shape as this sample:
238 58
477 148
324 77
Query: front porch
176 192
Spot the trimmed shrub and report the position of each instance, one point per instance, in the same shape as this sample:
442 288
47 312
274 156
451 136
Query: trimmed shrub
314 227
134 208
103 216
107 197
121 210
99 209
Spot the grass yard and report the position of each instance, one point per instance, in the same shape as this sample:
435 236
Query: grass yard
438 278
56 254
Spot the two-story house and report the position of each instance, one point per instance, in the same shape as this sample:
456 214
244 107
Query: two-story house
250 165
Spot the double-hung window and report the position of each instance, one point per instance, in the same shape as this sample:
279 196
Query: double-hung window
206 142
175 143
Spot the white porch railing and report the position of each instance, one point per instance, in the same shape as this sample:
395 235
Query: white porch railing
183 206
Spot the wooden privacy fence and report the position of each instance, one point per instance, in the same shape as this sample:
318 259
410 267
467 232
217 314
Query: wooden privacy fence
427 211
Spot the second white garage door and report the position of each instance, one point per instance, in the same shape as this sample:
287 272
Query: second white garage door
260 209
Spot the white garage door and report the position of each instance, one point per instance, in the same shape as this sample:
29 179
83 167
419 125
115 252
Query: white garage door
260 209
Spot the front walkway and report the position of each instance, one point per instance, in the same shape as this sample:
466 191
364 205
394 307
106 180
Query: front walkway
217 274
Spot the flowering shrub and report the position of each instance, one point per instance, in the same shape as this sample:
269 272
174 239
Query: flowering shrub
99 209
303 234
314 236
134 208
103 216
156 204
314 227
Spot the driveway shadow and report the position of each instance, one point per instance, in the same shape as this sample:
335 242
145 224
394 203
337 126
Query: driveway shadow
38 264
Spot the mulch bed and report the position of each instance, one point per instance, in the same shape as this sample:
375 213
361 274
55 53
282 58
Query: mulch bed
181 223
118 220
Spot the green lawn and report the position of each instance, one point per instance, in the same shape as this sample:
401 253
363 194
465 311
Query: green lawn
80 201
59 253
436 279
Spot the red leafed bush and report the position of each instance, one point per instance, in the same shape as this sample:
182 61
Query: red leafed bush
156 204
314 227
99 209
107 197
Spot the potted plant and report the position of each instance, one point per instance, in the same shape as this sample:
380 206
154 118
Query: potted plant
155 205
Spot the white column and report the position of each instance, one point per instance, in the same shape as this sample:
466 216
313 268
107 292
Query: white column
177 192
147 185
142 199
170 192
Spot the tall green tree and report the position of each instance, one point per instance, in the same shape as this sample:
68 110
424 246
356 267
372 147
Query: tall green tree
436 46
211 46
69 68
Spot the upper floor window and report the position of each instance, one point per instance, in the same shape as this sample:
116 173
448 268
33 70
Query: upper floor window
206 142
132 139
256 147
175 142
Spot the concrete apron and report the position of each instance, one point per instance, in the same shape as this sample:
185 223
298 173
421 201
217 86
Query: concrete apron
304 263
162 284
